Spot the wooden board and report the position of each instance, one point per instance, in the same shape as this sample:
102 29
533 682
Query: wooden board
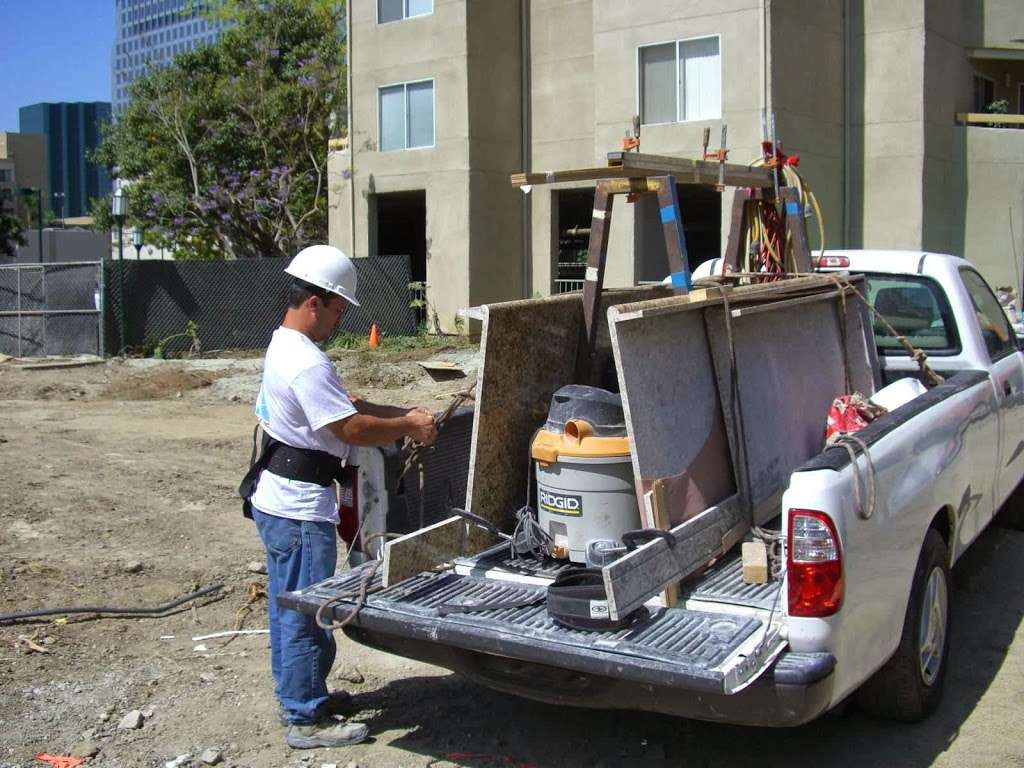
423 549
635 165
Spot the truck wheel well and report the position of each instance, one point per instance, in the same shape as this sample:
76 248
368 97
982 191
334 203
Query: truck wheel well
943 523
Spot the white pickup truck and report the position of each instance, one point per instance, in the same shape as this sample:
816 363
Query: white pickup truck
862 606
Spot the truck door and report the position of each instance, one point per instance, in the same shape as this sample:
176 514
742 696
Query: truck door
1007 377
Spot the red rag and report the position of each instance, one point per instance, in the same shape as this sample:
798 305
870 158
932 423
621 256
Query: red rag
60 761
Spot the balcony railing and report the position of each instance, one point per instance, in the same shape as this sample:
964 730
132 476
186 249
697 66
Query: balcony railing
990 120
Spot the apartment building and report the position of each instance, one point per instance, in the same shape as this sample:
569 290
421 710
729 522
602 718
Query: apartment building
449 97
149 32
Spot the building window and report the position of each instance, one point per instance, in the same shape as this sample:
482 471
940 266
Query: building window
396 10
680 81
5 175
407 116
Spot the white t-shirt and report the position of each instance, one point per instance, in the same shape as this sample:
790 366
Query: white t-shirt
301 394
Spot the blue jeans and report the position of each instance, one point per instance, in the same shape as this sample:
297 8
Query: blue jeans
299 554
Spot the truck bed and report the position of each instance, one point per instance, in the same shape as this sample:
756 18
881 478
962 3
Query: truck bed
707 651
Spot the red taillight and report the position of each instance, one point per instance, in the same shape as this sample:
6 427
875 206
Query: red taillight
841 262
348 506
814 564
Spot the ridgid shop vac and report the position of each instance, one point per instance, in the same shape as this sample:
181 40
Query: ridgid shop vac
584 474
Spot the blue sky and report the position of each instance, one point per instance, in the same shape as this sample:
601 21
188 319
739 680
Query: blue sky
53 50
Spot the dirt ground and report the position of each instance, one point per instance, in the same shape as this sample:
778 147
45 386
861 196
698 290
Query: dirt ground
117 487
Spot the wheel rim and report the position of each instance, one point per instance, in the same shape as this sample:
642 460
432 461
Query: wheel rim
932 633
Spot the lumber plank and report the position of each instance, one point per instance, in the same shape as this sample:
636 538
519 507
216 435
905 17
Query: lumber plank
689 171
634 578
422 550
634 165
659 508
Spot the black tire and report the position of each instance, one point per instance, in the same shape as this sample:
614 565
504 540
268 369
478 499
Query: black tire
1011 514
902 689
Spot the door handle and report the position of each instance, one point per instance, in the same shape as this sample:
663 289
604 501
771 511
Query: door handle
1007 387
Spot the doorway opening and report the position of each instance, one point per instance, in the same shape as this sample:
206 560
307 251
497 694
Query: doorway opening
701 210
573 210
400 229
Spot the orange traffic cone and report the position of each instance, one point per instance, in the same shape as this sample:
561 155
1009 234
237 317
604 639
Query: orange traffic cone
374 341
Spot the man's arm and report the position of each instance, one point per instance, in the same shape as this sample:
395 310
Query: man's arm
365 429
380 411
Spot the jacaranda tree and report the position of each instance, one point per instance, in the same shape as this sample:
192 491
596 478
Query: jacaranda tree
224 151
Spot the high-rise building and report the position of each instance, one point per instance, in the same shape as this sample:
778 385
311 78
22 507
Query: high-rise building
73 131
151 32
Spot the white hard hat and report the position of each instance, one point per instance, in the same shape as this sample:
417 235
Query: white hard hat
327 267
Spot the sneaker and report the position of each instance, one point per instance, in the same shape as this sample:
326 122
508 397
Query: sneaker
326 733
338 703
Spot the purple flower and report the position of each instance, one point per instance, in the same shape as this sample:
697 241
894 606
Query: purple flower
178 221
225 217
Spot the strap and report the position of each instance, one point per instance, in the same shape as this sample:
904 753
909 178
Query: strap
577 599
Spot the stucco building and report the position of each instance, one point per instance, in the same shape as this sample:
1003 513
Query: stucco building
449 97
22 167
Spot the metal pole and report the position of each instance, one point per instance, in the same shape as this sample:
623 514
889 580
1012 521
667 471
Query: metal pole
18 272
39 221
101 306
120 284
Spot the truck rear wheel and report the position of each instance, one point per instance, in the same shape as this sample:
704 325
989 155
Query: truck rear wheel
908 687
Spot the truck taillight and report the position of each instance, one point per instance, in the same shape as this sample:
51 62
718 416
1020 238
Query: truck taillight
814 564
841 262
348 506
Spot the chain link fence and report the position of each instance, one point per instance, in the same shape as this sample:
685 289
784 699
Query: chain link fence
237 304
51 309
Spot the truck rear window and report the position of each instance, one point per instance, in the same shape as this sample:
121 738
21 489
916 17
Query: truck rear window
916 308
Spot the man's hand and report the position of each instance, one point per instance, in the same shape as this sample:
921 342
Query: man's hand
421 426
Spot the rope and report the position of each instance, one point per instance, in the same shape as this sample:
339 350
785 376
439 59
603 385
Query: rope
414 451
850 443
361 593
916 354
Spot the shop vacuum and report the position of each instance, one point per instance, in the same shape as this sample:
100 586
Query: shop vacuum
584 474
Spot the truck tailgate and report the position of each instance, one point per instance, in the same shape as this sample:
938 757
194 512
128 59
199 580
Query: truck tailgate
682 648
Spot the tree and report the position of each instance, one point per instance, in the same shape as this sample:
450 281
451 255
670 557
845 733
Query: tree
11 235
226 148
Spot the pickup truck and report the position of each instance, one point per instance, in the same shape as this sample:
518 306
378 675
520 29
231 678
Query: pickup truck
861 606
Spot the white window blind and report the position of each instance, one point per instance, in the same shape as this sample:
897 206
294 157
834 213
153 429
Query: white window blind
658 83
680 80
700 79
392 118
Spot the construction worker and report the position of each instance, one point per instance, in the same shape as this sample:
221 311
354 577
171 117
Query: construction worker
309 422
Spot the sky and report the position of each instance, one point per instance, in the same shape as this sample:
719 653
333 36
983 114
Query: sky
53 50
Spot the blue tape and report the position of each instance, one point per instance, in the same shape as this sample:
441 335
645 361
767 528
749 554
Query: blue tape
681 280
792 209
668 213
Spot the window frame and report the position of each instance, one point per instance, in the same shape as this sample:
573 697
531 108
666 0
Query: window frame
405 13
405 111
945 310
678 43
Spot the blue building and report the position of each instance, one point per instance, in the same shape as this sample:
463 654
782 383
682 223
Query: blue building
73 131
154 32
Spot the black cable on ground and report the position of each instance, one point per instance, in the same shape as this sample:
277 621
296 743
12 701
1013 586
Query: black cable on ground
4 617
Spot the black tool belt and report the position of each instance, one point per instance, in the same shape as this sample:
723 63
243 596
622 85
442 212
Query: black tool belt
302 464
577 600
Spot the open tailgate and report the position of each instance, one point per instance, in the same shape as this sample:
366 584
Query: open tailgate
695 650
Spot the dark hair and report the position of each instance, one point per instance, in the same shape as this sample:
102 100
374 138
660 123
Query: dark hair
299 292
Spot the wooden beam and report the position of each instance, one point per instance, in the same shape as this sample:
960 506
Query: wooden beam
689 171
637 576
627 165
983 118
